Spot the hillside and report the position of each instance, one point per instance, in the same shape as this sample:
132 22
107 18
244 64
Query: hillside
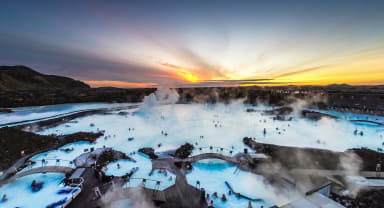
16 78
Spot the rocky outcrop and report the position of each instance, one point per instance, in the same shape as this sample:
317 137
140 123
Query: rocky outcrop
294 157
365 198
6 110
21 86
150 152
306 158
81 136
9 99
109 156
183 151
15 78
280 111
312 115
16 143
100 156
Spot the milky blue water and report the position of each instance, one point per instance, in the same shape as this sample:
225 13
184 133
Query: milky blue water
213 173
38 112
20 194
220 125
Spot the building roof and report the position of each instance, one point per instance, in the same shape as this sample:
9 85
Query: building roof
315 200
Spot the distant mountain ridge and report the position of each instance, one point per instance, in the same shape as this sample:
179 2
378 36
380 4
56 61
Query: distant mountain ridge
15 78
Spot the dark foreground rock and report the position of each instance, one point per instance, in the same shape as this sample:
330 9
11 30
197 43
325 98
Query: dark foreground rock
365 198
150 152
312 115
15 143
282 111
109 156
6 110
183 151
81 136
307 158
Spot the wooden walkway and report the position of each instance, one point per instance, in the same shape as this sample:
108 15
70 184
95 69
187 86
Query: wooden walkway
211 156
236 159
45 169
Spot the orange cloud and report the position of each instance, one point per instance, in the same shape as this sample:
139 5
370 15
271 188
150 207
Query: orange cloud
182 72
120 84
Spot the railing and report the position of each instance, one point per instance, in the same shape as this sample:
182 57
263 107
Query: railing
144 181
51 162
77 188
214 149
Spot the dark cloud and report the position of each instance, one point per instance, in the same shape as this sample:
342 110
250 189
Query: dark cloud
66 61
301 71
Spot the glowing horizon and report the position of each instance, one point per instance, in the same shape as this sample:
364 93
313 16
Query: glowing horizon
144 44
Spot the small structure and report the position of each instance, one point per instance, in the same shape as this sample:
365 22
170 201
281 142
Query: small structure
315 198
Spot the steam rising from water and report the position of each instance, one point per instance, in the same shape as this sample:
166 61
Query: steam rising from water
137 200
223 125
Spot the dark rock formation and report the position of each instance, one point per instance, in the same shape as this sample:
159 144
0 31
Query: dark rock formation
306 158
315 115
10 99
81 136
293 157
149 151
6 110
369 157
21 86
15 143
14 78
365 198
183 151
109 156
280 111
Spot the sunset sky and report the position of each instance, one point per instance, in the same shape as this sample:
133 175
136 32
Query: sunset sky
197 43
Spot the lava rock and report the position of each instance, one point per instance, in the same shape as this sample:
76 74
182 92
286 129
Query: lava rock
184 151
109 156
6 110
149 151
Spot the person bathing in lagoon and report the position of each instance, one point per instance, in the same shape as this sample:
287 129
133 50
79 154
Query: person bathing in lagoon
36 186
118 166
223 198
4 199
249 204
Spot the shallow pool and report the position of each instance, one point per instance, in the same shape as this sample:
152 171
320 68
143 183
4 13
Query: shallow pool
20 194
212 175
165 127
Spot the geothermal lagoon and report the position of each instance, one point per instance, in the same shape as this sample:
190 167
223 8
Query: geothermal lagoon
164 127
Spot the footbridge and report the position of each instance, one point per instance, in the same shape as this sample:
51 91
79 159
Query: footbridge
39 166
195 158
47 166
45 169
